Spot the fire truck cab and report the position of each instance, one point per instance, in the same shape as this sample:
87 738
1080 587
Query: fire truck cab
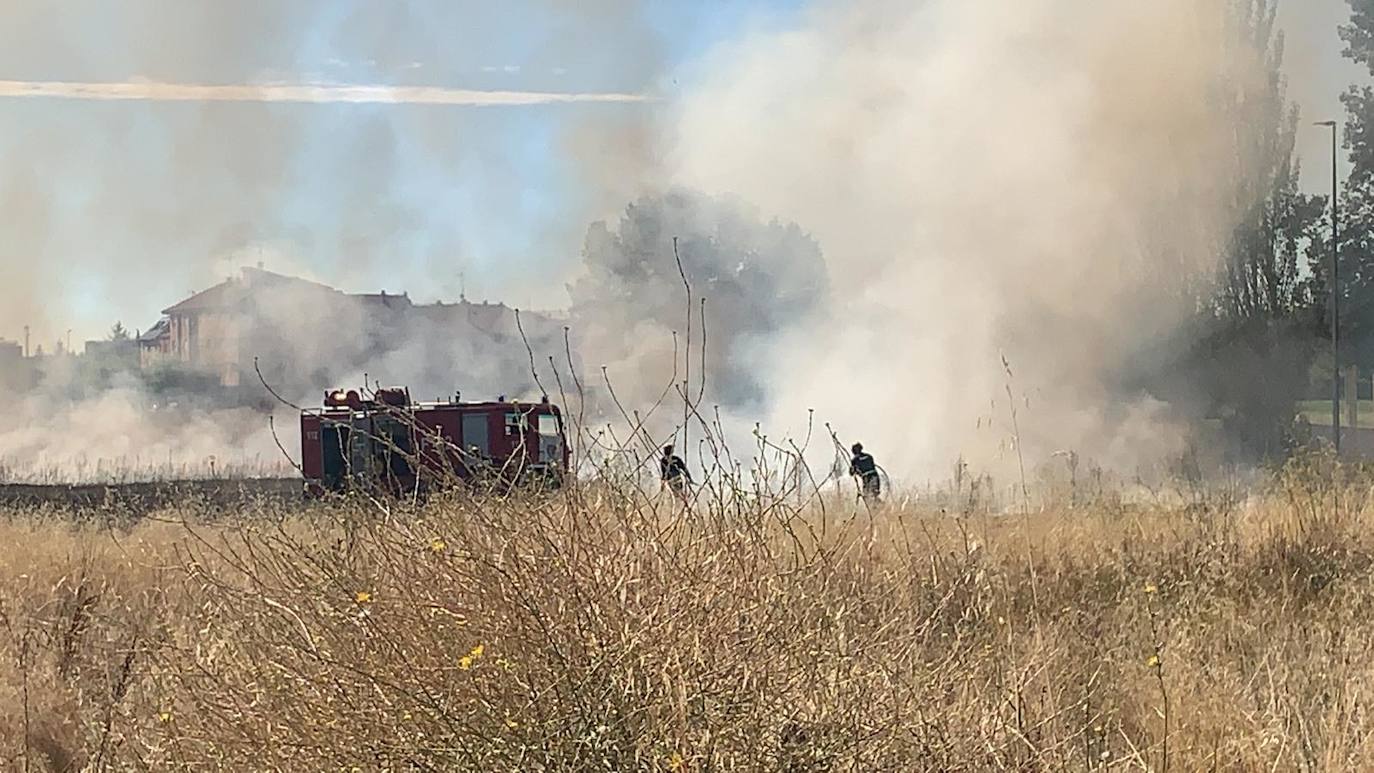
387 441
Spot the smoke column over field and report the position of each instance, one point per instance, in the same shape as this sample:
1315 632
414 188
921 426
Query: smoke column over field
135 204
880 202
1044 181
121 435
115 209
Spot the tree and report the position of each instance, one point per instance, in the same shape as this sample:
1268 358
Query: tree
758 278
118 332
1243 360
1264 274
1357 199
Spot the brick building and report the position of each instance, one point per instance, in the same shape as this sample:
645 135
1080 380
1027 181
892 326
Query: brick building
310 335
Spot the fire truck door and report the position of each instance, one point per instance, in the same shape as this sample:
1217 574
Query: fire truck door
475 433
360 454
334 442
550 440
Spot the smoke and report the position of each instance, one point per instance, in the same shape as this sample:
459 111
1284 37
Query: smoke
1045 182
1318 73
758 279
123 434
388 178
913 218
115 209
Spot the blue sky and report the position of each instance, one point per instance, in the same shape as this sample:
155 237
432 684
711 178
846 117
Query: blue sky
115 209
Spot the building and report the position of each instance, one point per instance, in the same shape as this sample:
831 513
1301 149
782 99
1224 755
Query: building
306 335
14 368
155 346
206 332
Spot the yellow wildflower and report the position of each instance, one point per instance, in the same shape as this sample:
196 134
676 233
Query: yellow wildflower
674 761
1151 588
1153 662
165 716
465 662
437 545
363 597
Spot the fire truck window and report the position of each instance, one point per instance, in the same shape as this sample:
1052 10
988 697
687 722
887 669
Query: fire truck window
475 432
550 441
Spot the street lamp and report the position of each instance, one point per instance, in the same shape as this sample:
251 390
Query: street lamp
1335 300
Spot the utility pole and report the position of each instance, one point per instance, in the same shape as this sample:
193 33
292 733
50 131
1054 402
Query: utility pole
1335 297
26 342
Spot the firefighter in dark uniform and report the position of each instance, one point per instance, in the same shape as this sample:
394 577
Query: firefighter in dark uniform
672 472
865 469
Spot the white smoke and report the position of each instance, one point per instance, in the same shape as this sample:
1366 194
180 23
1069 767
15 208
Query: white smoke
1038 180
1043 181
125 434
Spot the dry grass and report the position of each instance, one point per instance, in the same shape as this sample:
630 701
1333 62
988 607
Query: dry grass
133 469
599 630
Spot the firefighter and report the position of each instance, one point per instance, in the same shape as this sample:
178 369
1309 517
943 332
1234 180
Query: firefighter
673 473
865 469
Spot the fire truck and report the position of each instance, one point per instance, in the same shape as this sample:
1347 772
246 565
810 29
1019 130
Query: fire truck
385 441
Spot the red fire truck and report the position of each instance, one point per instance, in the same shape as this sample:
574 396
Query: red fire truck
385 440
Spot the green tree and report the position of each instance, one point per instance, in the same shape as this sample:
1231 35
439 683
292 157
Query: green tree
1264 269
118 332
1243 360
759 278
1357 198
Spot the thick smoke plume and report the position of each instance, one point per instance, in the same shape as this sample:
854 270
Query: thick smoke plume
125 433
980 206
1048 182
116 209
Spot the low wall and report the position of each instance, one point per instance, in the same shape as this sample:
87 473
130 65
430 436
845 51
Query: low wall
1356 442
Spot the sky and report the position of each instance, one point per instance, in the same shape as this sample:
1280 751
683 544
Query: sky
1317 75
432 146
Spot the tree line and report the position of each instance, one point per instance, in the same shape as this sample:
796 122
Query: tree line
1260 339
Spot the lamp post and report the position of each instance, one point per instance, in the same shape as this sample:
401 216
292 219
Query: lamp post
1335 298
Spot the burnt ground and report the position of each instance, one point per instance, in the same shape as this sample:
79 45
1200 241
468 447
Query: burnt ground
139 498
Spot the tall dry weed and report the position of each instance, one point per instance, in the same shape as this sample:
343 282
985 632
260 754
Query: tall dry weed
604 629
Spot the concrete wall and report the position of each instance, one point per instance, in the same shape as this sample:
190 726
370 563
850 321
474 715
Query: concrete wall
208 342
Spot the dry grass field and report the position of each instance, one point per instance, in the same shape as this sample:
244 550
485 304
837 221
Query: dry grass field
601 629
